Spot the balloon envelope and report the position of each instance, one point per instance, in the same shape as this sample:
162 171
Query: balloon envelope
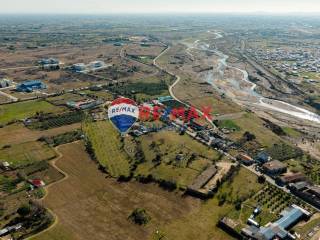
123 113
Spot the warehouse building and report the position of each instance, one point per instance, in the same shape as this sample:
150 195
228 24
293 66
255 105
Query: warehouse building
274 168
30 86
310 193
79 67
290 178
197 187
280 228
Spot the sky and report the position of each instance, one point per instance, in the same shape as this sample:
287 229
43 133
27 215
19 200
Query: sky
155 6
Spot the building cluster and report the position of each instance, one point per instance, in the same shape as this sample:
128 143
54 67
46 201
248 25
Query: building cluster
278 229
91 67
296 182
30 86
273 168
290 62
139 129
307 191
85 104
49 63
265 164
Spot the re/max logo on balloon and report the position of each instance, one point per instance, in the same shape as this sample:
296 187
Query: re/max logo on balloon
183 113
124 112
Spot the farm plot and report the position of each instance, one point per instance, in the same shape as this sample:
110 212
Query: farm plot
61 100
17 111
175 158
87 198
26 153
107 148
57 120
145 59
17 133
271 200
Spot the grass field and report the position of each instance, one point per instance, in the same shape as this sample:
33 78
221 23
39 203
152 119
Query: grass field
89 206
169 144
58 120
103 94
62 99
26 153
102 205
18 133
106 143
311 75
218 105
229 124
291 132
234 189
145 88
304 228
17 111
251 123
143 59
201 224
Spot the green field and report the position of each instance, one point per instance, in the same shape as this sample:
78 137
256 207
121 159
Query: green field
291 132
62 99
161 150
58 120
17 111
229 124
310 75
271 200
201 224
145 89
142 59
26 153
107 147
103 94
251 123
304 229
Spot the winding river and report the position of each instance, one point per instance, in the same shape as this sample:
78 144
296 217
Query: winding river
249 92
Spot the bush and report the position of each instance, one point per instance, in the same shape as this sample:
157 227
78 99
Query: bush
261 179
24 210
222 199
40 193
168 185
237 205
139 216
249 136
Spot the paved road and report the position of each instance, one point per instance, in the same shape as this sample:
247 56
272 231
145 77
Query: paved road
9 96
178 78
17 68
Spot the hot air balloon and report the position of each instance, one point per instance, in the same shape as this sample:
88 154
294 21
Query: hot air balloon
123 113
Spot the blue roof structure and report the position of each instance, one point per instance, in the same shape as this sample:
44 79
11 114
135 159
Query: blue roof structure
280 227
30 85
289 217
262 157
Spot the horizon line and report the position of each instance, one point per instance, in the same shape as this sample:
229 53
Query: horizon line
164 13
